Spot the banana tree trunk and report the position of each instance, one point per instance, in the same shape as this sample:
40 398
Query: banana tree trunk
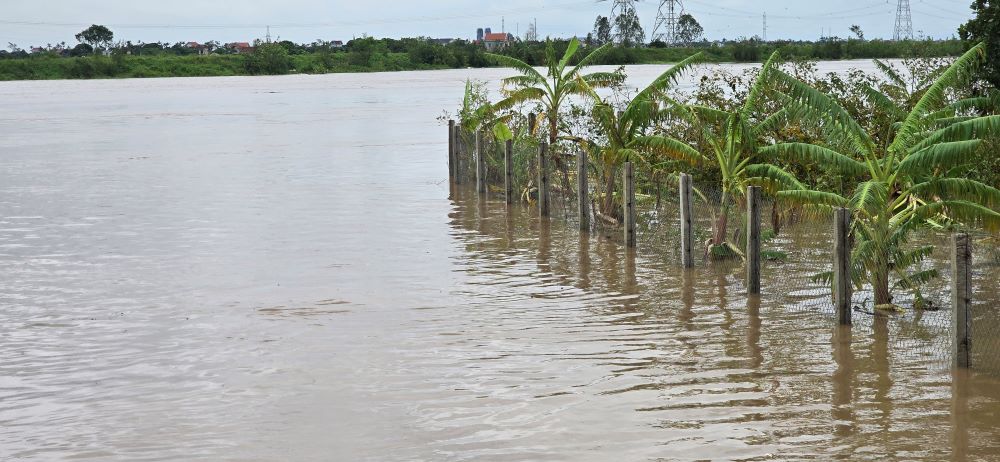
557 159
721 226
880 284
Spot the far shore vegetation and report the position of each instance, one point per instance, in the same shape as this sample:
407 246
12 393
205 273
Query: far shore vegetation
98 55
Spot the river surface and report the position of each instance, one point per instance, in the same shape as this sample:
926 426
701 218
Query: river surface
275 268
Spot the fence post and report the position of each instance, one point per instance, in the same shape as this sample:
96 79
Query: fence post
457 152
961 293
582 190
543 180
629 202
842 265
451 150
508 174
753 240
687 238
480 164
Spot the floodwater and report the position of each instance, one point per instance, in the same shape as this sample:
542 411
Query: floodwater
264 269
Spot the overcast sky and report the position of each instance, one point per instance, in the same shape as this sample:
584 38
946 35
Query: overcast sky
37 22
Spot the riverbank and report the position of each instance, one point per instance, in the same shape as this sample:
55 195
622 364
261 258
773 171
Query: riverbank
273 59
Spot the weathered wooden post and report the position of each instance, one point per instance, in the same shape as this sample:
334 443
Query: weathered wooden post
508 171
842 265
582 190
687 219
753 240
451 151
531 125
480 164
543 180
961 294
629 202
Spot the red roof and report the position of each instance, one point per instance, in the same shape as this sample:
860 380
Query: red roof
498 37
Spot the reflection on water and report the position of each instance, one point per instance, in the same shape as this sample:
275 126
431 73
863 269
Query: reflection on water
271 269
687 366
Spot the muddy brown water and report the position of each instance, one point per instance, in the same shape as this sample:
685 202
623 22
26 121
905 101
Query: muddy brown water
262 269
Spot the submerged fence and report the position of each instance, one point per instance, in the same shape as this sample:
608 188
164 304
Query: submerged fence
964 331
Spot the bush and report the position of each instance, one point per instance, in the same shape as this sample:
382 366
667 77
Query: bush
269 59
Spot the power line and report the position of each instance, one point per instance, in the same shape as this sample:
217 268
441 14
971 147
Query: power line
410 19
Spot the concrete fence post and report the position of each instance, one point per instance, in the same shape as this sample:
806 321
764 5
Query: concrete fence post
451 151
842 265
687 221
628 201
961 294
543 180
753 240
508 174
582 189
480 164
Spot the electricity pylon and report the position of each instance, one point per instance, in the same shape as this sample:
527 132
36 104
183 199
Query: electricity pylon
904 21
665 29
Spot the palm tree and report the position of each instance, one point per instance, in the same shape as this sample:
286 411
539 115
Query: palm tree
626 132
911 179
554 87
733 139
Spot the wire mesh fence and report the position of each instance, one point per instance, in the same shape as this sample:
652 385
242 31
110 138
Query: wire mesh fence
796 251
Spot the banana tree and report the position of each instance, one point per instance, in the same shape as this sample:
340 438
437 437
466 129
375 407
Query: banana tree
626 135
911 179
553 88
733 140
478 114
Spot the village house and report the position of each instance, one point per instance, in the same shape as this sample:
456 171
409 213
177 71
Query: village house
496 41
239 47
200 48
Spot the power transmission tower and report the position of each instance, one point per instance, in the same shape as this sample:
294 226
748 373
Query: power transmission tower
532 34
618 8
665 29
765 27
904 21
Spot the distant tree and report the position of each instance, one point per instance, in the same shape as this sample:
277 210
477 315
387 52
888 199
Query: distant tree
629 29
602 30
985 27
688 29
81 49
268 58
96 36
856 30
292 48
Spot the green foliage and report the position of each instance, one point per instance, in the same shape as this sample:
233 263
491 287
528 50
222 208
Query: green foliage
628 28
268 59
602 31
369 54
911 158
688 29
96 36
985 27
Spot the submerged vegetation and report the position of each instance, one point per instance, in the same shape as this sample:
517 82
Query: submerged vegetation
904 149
